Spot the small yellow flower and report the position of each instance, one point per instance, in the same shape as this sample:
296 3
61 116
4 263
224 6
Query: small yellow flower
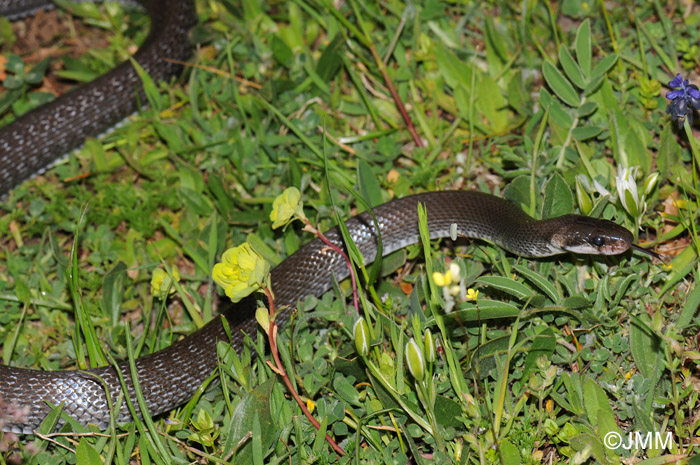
241 272
452 275
161 282
287 206
441 279
472 294
549 405
310 405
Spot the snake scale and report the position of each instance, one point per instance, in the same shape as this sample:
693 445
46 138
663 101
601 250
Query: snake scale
171 376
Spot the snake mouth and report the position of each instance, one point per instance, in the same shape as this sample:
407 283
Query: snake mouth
610 247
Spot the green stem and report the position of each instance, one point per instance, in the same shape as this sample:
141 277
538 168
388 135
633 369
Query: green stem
569 136
390 389
692 141
429 405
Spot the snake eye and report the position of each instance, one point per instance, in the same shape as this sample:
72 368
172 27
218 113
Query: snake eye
598 241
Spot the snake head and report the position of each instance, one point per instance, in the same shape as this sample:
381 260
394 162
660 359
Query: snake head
592 236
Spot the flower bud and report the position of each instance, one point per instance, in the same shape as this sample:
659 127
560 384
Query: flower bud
584 200
161 283
550 427
429 345
415 360
627 191
650 182
286 207
360 331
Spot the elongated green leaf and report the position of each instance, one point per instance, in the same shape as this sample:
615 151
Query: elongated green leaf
86 454
542 283
644 346
576 302
486 310
491 103
149 86
113 290
495 39
586 132
669 152
452 69
595 399
586 109
369 186
571 68
558 114
510 286
255 406
690 308
604 65
583 47
560 85
593 84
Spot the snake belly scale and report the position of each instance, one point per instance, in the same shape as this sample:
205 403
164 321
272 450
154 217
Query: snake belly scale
171 376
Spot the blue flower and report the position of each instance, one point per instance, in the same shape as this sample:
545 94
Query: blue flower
683 100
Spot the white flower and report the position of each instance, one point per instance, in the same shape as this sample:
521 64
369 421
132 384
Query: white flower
627 190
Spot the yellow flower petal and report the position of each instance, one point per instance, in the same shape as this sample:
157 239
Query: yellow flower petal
286 206
441 279
241 272
161 282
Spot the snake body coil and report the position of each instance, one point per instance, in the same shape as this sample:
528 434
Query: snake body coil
170 377
35 141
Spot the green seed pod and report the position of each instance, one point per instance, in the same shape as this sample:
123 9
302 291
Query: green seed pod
430 348
415 360
360 331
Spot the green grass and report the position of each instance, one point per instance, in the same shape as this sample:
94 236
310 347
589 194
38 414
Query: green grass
532 105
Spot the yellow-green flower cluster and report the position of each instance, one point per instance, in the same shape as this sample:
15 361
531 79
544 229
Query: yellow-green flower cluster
161 284
286 207
241 272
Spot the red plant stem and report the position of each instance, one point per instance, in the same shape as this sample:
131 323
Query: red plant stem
399 104
272 337
395 95
337 249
